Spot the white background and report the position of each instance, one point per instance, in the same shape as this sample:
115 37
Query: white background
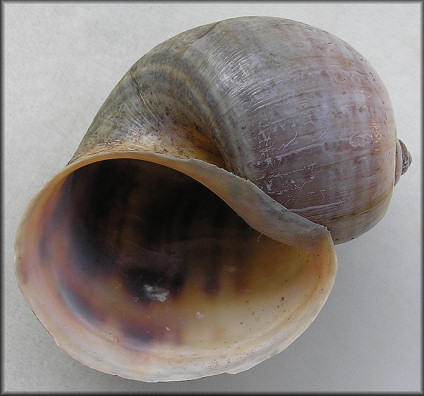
62 60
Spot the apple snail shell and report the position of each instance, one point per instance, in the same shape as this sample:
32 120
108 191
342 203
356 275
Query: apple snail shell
192 232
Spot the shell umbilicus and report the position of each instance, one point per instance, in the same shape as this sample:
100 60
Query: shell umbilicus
192 233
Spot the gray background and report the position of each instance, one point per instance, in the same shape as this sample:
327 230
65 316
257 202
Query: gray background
62 60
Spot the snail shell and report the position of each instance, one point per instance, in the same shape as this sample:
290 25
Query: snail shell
192 231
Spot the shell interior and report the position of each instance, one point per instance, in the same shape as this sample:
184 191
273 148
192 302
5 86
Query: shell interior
137 269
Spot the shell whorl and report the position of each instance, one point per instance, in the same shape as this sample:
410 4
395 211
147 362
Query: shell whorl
403 160
285 105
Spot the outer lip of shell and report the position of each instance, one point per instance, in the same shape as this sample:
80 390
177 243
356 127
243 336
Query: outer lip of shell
104 354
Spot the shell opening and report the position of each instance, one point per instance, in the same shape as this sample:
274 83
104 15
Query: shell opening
139 270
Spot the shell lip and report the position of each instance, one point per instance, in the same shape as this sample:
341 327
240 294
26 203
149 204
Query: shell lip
268 347
298 230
